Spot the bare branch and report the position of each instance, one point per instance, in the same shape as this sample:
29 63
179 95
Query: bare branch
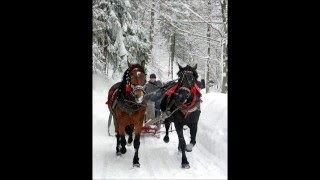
187 7
202 57
182 30
185 31
183 21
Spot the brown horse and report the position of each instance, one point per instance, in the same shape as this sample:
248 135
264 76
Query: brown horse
127 106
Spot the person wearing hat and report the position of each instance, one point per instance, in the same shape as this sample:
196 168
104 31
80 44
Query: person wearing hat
153 96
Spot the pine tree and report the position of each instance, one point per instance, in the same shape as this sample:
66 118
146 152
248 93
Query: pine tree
116 37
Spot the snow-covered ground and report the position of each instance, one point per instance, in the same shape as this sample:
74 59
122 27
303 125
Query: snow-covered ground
160 160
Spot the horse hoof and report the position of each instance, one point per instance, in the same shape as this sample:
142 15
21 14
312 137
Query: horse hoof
189 147
123 150
136 165
157 135
118 153
185 166
166 139
129 143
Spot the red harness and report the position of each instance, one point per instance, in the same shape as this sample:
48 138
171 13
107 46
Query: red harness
194 90
110 94
171 90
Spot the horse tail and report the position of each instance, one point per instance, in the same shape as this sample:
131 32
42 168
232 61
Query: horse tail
109 123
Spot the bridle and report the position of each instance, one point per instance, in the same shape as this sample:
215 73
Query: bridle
185 75
131 88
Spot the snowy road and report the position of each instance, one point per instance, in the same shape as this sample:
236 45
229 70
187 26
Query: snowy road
160 160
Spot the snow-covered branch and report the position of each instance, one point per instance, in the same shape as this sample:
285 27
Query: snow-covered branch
187 7
188 32
179 29
192 54
188 21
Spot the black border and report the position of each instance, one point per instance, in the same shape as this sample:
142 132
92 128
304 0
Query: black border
249 117
49 89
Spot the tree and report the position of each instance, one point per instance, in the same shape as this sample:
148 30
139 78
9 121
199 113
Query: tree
194 32
198 29
116 37
224 12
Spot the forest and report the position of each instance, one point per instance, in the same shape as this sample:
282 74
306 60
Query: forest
164 33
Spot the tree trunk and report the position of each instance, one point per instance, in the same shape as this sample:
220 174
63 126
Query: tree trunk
209 51
152 25
225 69
222 67
169 72
208 61
224 54
173 43
224 14
104 52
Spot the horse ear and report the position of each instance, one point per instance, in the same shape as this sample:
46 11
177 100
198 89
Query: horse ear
129 65
195 67
180 67
143 63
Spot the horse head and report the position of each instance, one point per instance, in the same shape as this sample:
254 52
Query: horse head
135 79
187 83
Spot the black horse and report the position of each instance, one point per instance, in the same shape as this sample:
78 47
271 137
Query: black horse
183 100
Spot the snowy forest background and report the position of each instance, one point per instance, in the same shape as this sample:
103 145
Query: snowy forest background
163 33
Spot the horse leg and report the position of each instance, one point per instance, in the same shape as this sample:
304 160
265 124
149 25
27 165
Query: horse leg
118 144
115 123
182 145
193 126
167 123
123 142
193 133
136 145
129 131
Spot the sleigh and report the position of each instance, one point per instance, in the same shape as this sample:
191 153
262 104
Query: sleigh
150 128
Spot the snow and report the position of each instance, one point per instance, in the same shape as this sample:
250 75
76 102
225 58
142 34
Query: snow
125 27
113 15
127 3
121 47
160 160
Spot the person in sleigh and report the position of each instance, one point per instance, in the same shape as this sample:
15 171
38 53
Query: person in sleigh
153 98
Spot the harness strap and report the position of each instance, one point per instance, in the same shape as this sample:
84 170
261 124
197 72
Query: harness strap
192 104
171 90
187 112
163 116
130 108
197 88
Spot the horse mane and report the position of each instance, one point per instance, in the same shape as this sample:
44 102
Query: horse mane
189 68
122 86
